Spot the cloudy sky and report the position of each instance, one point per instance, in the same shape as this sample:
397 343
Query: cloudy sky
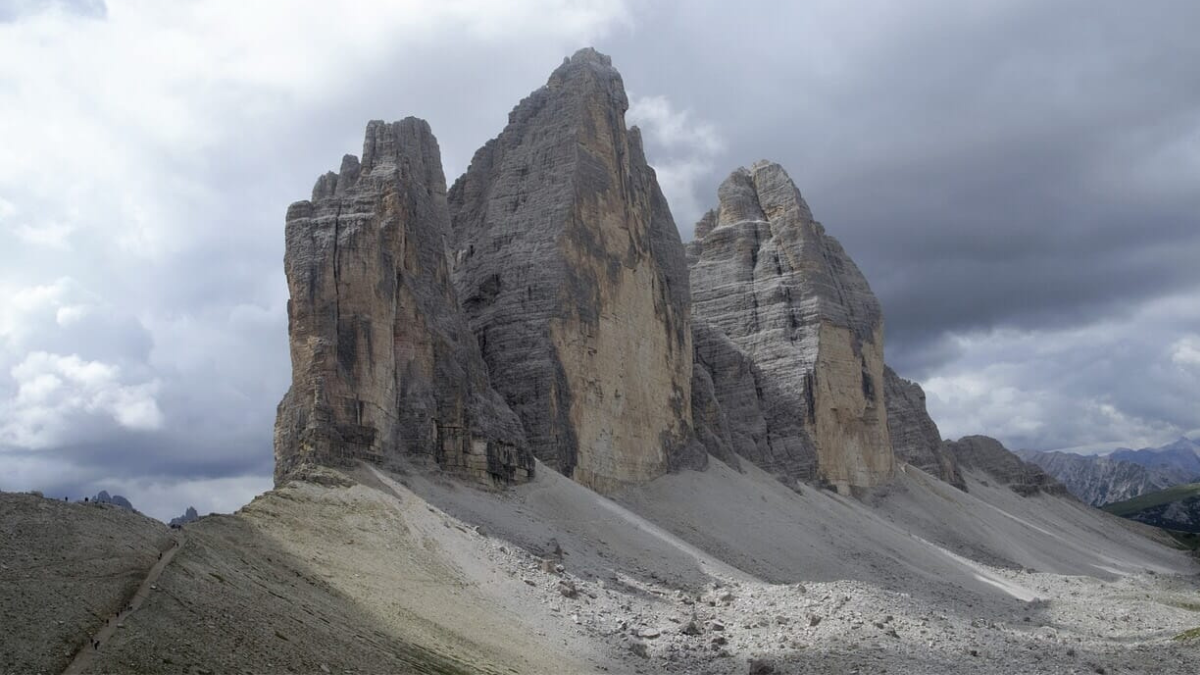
1018 180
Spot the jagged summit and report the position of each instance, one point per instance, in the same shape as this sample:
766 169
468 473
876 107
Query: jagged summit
588 68
588 55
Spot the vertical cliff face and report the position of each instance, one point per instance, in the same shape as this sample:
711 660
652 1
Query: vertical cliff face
787 297
572 274
383 361
915 436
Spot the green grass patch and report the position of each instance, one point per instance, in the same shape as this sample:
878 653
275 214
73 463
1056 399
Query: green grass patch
1152 499
1188 541
1193 634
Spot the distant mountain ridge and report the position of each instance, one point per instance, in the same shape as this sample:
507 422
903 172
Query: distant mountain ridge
117 500
1182 455
1123 474
1175 508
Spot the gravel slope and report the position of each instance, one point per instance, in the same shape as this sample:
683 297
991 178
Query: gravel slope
693 573
64 569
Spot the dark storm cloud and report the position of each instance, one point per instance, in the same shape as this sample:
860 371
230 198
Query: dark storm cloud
987 164
1007 175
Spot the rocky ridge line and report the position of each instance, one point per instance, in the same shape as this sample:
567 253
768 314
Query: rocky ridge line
990 456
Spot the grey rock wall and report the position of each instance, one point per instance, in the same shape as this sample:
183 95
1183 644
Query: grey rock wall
802 361
915 436
572 275
383 361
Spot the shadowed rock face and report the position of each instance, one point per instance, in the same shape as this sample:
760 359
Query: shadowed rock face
383 362
572 275
988 455
915 436
807 393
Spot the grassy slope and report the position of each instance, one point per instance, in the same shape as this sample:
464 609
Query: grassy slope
1146 501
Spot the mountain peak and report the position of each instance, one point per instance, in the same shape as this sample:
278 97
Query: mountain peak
573 277
796 311
587 55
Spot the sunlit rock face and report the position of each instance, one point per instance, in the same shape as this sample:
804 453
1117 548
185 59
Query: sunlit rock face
573 277
792 336
383 362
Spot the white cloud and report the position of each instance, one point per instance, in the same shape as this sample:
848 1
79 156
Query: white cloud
165 497
149 155
1091 387
51 234
673 129
54 392
23 308
682 151
150 150
1186 351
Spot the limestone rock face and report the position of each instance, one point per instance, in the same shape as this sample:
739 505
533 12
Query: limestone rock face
915 436
768 278
713 429
383 361
737 390
990 456
572 274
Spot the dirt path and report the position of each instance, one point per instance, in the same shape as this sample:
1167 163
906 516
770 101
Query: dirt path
83 657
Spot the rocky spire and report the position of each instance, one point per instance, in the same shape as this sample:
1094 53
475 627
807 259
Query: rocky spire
383 362
781 293
573 277
915 436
